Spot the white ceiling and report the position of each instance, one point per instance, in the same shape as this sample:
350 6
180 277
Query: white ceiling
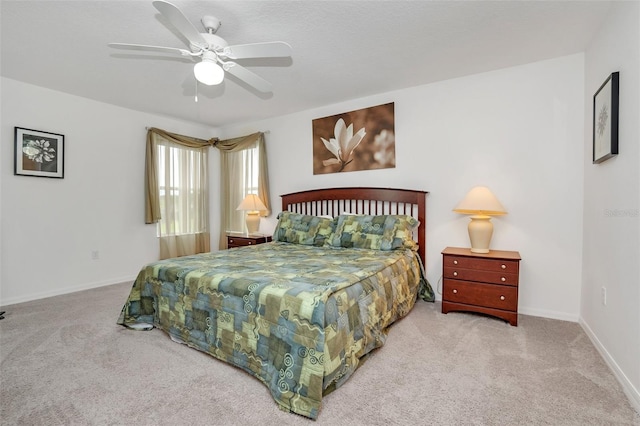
341 49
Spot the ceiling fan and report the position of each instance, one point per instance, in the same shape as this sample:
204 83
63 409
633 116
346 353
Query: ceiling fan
216 56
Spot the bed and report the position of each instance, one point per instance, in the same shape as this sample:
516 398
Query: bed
300 313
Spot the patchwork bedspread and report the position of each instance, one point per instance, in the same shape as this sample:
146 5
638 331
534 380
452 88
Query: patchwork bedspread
297 317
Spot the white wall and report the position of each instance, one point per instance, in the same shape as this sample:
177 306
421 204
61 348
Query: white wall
517 130
50 226
2 168
611 205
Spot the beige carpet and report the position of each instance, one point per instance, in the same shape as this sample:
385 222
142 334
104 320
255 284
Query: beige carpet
64 361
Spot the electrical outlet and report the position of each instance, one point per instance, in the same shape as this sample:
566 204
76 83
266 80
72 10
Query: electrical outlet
603 292
95 255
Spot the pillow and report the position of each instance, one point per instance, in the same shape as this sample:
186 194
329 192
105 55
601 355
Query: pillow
302 229
382 232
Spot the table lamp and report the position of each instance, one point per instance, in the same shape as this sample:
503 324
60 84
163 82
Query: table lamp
252 204
481 204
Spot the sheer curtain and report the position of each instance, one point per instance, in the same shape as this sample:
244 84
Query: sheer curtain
243 164
177 194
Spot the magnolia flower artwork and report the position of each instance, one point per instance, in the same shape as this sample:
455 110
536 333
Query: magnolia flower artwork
343 144
38 153
356 140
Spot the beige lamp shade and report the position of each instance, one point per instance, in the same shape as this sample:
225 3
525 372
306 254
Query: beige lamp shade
481 204
253 205
480 200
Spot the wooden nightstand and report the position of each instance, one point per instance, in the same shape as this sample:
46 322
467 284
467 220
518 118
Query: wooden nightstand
485 283
239 239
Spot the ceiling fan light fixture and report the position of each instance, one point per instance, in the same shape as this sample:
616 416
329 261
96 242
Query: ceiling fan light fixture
208 72
217 57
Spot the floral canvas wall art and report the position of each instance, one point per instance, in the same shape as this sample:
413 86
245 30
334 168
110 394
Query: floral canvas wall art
38 153
357 140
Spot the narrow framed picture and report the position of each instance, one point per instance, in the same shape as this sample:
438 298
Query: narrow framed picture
38 153
605 119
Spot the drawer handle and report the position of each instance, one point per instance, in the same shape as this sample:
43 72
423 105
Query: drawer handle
503 266
455 262
455 291
503 279
455 274
231 241
501 297
250 242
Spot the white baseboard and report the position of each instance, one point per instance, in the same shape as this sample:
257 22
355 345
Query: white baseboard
60 291
629 389
563 316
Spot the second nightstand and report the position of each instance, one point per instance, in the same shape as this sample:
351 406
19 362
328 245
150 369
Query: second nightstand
485 283
239 239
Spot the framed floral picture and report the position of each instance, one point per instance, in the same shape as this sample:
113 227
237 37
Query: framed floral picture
356 140
38 153
605 119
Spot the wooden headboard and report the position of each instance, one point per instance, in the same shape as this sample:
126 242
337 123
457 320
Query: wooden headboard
374 201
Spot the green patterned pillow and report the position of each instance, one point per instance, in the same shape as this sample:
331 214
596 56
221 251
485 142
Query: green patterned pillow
302 229
382 232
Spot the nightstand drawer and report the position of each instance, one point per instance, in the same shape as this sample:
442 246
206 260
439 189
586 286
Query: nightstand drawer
500 265
239 241
488 295
495 277
236 239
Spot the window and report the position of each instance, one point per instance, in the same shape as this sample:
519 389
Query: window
250 168
176 192
182 189
243 180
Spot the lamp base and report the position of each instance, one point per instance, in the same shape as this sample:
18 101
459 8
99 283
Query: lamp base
480 233
477 250
252 222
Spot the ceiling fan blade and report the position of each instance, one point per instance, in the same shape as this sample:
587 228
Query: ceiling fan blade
129 46
247 76
182 24
271 49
